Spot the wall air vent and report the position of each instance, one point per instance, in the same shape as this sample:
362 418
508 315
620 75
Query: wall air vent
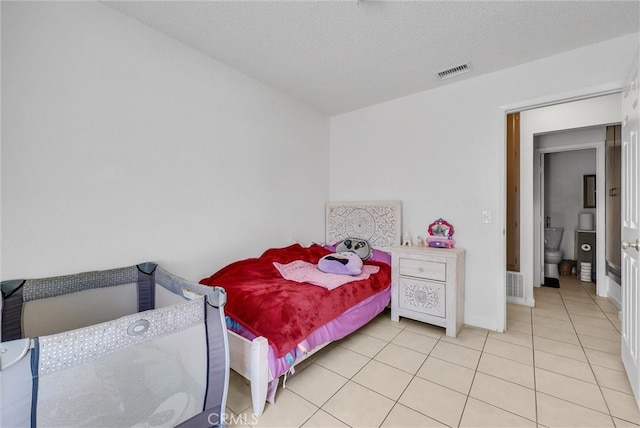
515 285
454 71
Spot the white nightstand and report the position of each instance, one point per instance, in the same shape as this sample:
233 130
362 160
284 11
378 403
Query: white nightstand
428 286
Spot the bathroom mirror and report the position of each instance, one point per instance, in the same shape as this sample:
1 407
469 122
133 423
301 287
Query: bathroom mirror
589 191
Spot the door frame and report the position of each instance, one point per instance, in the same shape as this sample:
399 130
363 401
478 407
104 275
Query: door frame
605 88
527 267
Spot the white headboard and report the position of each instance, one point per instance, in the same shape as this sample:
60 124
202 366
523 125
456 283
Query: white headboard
379 222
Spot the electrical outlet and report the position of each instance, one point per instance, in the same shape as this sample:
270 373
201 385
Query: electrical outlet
486 217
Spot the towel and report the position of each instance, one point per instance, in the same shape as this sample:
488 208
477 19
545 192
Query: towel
301 271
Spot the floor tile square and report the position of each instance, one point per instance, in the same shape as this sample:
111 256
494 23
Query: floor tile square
480 414
553 323
322 419
343 361
442 404
554 412
585 310
519 326
507 369
383 379
556 334
604 345
513 308
315 383
290 410
616 321
612 379
358 406
600 333
621 405
505 395
475 330
447 374
606 306
592 322
380 331
620 423
467 339
553 314
238 394
576 296
564 366
401 358
425 329
363 344
556 347
518 316
402 416
604 359
521 354
570 389
557 306
415 341
457 354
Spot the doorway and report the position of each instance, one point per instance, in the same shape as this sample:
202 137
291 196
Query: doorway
565 158
597 111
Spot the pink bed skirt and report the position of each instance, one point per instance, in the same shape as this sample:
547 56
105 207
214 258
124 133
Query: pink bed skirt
345 324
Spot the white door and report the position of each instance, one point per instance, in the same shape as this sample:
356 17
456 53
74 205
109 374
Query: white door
631 230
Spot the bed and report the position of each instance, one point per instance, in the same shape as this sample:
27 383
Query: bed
279 313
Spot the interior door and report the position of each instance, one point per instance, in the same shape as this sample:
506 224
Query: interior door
631 231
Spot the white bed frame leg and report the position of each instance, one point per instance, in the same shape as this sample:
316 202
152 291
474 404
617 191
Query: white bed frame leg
259 374
249 358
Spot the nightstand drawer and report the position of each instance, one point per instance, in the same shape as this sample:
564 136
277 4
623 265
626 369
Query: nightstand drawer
423 269
422 296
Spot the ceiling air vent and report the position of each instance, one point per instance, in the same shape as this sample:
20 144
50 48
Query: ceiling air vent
454 71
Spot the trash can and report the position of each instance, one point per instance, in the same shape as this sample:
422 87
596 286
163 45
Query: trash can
565 267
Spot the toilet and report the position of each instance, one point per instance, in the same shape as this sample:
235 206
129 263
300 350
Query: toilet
552 251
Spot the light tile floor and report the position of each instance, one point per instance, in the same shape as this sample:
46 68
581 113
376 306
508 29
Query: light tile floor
558 365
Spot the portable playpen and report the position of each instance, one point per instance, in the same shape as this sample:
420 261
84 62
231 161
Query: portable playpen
133 346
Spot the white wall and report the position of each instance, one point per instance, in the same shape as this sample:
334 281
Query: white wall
120 145
442 152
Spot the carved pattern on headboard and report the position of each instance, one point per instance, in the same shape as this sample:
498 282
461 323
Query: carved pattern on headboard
379 222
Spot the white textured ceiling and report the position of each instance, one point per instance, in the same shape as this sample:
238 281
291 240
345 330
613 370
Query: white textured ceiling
339 56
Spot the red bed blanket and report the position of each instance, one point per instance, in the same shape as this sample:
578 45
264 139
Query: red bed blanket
283 311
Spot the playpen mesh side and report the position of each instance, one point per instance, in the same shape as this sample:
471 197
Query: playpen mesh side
218 347
74 301
166 366
147 368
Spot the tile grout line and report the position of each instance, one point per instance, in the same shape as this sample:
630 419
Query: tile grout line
475 372
589 361
581 285
533 357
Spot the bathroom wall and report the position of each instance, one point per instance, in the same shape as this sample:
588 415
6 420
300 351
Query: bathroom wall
563 192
